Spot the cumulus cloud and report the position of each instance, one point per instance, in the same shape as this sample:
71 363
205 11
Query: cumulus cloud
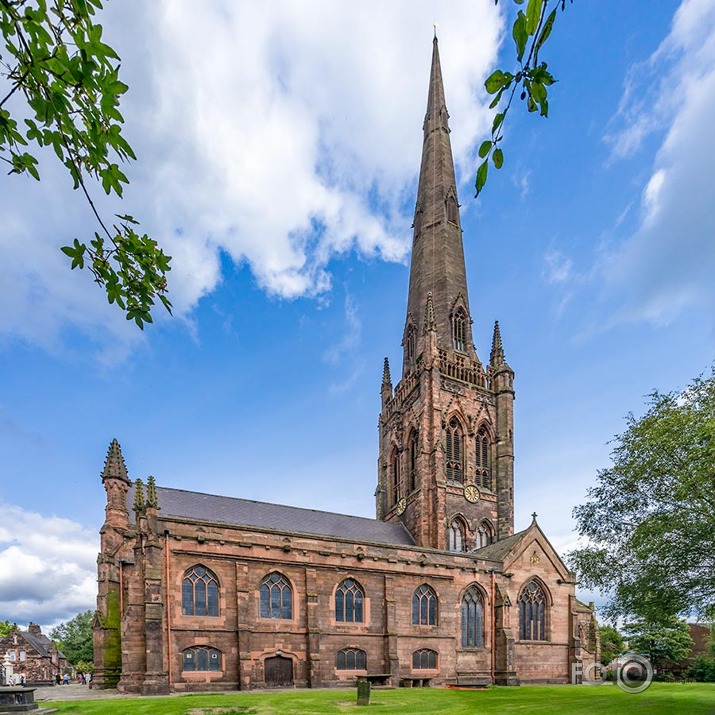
47 567
280 134
668 264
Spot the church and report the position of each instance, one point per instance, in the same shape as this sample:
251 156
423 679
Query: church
203 592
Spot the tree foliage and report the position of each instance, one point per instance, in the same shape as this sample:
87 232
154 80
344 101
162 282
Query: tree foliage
53 57
74 638
6 628
650 519
612 644
666 639
530 77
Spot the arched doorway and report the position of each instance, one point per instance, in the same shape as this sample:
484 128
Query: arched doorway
278 671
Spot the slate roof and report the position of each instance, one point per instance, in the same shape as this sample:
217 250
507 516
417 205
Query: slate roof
263 515
41 643
499 550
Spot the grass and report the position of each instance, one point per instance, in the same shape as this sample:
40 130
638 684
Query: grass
669 699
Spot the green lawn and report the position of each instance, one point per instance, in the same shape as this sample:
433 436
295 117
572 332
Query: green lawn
669 699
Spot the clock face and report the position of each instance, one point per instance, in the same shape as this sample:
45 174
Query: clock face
401 506
471 493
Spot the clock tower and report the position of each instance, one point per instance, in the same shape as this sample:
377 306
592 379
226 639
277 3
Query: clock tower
446 462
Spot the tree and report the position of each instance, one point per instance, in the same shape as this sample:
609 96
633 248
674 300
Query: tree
650 519
612 644
54 58
74 638
6 628
667 639
530 31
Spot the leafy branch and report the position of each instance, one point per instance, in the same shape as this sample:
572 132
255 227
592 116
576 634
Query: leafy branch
530 31
54 56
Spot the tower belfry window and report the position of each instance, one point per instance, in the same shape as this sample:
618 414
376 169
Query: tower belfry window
459 330
453 451
456 535
413 462
483 476
395 467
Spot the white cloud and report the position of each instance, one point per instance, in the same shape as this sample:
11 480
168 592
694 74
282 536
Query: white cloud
668 264
283 134
47 567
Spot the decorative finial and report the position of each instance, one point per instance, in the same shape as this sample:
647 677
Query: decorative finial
386 377
139 504
114 467
435 24
496 357
151 498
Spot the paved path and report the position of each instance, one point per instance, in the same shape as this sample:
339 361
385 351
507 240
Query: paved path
74 692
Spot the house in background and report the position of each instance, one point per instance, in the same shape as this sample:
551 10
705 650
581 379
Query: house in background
33 656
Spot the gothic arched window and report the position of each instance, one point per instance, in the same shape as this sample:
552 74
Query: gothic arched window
199 592
202 658
455 535
276 597
532 613
485 535
351 659
424 659
349 599
472 619
412 456
484 472
459 330
424 606
395 469
453 451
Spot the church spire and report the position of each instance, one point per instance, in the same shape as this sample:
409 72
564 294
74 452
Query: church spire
437 264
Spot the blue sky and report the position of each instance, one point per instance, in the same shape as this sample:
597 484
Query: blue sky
279 146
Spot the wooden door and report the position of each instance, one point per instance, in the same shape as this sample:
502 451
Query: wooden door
278 671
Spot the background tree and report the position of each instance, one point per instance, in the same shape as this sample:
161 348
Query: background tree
612 644
650 519
5 628
53 57
667 639
74 638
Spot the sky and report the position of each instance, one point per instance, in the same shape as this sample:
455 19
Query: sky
278 150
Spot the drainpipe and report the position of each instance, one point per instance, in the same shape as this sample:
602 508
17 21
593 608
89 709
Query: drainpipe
494 641
167 591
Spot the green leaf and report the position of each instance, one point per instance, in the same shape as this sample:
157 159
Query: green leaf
484 148
494 82
545 32
520 35
533 15
498 158
498 121
482 176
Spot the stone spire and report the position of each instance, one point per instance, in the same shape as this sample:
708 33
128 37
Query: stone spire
496 357
152 500
386 377
139 503
437 264
114 467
